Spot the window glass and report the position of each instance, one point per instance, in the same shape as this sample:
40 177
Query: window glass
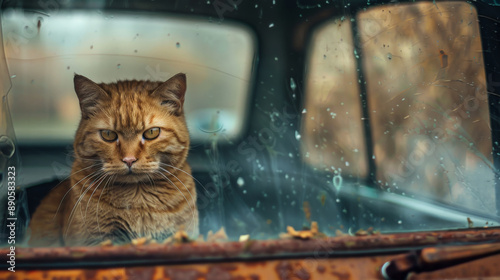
332 118
373 119
428 102
43 53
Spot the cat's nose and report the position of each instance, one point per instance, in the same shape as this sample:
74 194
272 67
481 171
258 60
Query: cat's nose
129 160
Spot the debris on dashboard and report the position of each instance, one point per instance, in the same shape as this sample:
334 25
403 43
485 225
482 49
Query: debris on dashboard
304 234
219 236
470 223
140 241
106 242
368 231
244 238
179 237
339 233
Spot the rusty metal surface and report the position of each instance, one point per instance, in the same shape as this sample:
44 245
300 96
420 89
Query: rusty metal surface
303 269
484 268
320 258
252 248
435 258
367 267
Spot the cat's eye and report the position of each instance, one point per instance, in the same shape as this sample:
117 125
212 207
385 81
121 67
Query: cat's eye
151 133
109 135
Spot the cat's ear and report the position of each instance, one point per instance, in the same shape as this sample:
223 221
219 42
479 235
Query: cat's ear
171 93
89 94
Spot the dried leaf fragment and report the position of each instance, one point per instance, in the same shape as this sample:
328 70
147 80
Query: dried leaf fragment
106 243
338 232
303 234
470 223
219 236
139 241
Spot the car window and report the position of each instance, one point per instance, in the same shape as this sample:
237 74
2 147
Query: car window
428 102
371 119
426 99
332 118
43 54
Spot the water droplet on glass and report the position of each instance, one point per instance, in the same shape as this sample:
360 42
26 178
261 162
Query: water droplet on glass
240 182
400 222
293 86
297 135
13 76
178 45
346 163
271 25
337 182
389 56
304 111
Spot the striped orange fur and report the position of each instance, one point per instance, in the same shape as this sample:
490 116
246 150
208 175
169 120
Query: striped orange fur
127 180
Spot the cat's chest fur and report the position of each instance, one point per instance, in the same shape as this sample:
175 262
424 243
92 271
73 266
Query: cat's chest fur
141 213
130 223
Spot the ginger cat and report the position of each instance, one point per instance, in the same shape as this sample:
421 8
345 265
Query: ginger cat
130 177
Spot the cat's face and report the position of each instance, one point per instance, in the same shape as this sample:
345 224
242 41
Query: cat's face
132 129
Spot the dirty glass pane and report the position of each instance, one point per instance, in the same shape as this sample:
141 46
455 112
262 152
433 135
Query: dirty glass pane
44 52
278 101
332 120
427 99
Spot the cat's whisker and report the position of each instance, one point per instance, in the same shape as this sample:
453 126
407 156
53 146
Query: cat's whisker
90 185
170 173
151 180
112 180
72 213
84 190
67 192
91 166
91 195
187 173
185 198
190 194
88 159
73 155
